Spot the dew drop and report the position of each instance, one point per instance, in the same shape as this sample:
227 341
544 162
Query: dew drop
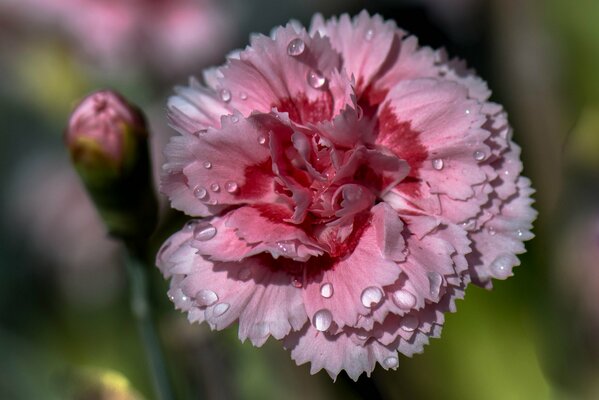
201 132
326 290
261 330
435 280
469 224
245 274
231 187
467 111
409 323
234 119
220 309
215 187
391 362
438 164
404 299
261 139
296 282
479 155
361 336
322 320
207 164
285 247
243 95
200 193
191 224
492 231
371 296
501 267
206 297
315 79
225 95
369 35
204 232
296 47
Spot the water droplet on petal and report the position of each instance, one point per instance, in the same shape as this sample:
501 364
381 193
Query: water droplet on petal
286 247
326 290
215 187
296 47
501 267
371 296
206 297
220 309
435 280
261 330
243 95
296 282
200 193
491 231
479 155
409 323
469 224
322 320
204 232
234 119
207 164
362 336
467 111
245 274
315 79
404 299
231 187
225 95
191 224
369 35
391 362
201 132
438 164
261 139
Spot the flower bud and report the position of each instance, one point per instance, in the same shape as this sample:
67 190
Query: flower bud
108 141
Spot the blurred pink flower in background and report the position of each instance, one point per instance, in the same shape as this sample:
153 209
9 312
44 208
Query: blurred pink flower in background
352 185
60 224
167 34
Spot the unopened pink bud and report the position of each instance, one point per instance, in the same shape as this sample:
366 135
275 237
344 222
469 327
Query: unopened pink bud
99 127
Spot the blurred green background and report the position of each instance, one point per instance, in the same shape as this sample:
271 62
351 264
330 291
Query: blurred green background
65 326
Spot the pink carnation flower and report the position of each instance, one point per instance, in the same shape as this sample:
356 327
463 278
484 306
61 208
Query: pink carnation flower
350 185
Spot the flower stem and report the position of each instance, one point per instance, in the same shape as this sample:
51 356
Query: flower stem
141 309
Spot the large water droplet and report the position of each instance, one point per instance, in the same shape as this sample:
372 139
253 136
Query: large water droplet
231 187
371 296
409 323
322 320
404 299
204 232
296 47
501 267
220 309
206 297
207 164
326 290
391 362
215 187
438 164
369 35
200 193
316 79
479 155
435 280
225 95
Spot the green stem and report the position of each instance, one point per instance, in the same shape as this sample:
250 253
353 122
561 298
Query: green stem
140 306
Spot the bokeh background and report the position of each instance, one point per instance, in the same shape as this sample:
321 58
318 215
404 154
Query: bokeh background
66 330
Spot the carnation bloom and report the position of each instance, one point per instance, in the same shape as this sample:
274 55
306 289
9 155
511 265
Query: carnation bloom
350 185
